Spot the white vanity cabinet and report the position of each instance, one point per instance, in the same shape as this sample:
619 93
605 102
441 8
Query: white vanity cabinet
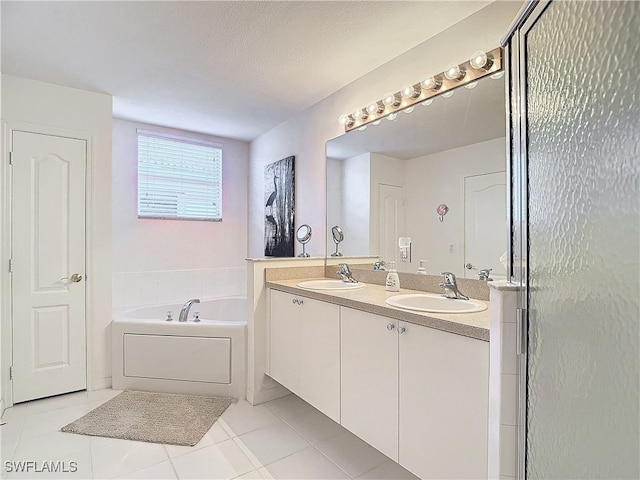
284 338
444 395
305 349
369 401
417 394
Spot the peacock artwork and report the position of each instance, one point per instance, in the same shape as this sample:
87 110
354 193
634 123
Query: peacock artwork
279 208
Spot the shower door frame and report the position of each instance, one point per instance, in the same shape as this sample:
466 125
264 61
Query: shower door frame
517 155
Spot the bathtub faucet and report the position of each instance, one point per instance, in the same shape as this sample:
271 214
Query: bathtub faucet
184 313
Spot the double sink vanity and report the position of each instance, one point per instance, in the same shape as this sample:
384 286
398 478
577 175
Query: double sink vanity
408 371
421 302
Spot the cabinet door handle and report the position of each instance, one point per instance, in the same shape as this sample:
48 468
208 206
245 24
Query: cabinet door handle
297 301
390 326
401 330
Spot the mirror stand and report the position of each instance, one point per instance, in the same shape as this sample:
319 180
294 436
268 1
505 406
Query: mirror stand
303 235
338 236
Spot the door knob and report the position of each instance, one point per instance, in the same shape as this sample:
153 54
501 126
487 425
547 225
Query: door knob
468 266
75 278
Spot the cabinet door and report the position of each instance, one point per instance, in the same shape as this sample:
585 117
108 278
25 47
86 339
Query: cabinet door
369 400
284 340
444 391
320 356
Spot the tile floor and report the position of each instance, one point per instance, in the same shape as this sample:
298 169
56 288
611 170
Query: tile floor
285 438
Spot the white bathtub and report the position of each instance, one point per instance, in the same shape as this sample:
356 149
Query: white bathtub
204 358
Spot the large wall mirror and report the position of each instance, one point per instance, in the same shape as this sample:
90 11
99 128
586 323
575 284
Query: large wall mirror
387 182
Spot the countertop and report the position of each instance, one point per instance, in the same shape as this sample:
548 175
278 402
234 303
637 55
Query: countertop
371 299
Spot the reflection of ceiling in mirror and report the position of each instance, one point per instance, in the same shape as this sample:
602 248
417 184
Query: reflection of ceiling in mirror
468 117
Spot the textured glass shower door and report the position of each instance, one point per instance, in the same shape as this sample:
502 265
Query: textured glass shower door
581 64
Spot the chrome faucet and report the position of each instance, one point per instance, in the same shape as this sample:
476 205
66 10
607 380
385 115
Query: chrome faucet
484 274
345 273
184 312
379 265
450 287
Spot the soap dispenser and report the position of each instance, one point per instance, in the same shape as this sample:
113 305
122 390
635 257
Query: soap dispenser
421 269
393 280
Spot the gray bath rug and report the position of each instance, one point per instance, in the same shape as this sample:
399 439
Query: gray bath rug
152 417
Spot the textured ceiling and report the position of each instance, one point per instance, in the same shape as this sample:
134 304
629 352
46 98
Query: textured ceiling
234 69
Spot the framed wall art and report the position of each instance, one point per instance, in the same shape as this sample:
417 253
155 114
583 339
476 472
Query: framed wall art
279 208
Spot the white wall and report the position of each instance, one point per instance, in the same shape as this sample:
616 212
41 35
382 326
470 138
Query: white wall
355 201
439 178
305 134
172 260
36 103
334 200
353 194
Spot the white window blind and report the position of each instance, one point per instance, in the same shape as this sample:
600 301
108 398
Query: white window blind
178 178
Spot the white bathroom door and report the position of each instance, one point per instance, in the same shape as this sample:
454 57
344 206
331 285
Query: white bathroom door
48 265
391 220
485 221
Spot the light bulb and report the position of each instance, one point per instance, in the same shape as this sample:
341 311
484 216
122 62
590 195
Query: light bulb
454 72
361 113
410 91
448 94
431 83
362 128
471 85
392 116
427 102
375 107
498 75
346 120
377 122
408 110
391 100
481 61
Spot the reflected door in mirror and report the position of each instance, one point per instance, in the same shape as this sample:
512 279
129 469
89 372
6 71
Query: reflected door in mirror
391 217
485 215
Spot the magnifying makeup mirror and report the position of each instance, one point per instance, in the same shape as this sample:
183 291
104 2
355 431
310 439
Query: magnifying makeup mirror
303 235
338 236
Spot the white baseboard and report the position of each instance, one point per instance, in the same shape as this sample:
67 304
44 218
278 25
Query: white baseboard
101 384
256 398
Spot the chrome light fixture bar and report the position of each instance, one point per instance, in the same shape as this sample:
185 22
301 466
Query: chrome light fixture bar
479 66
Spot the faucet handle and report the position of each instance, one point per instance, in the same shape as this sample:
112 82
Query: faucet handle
449 277
484 274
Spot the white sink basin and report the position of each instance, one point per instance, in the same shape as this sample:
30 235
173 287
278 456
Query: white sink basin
431 302
328 284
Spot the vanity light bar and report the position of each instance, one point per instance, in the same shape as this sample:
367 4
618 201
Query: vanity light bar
479 66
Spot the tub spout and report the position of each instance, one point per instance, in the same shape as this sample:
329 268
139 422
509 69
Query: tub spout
184 312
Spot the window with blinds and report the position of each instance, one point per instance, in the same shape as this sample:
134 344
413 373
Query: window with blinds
178 178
